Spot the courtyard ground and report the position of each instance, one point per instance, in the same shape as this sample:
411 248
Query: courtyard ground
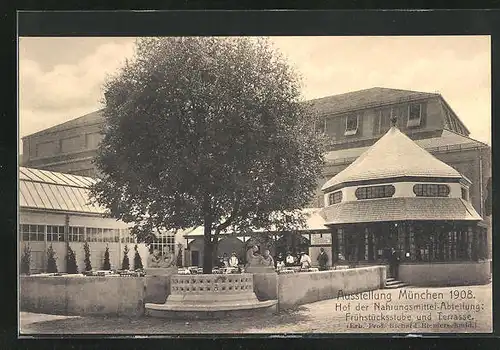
318 317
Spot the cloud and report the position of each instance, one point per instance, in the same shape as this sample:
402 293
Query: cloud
458 67
65 91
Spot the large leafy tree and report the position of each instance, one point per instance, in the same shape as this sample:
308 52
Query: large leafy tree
206 131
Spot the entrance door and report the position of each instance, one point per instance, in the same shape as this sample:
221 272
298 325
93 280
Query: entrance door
195 258
392 241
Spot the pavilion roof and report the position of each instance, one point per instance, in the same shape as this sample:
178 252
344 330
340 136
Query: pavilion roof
401 209
393 155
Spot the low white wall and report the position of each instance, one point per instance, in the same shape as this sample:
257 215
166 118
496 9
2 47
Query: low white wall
300 288
445 274
80 295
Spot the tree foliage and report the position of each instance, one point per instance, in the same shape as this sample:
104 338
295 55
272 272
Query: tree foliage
71 265
106 265
51 260
86 250
125 261
26 260
206 132
137 259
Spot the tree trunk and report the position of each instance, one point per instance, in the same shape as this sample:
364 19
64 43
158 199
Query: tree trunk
207 248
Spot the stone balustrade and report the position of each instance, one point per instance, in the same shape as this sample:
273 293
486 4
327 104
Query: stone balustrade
183 284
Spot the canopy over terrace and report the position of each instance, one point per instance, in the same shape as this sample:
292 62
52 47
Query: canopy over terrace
397 195
273 238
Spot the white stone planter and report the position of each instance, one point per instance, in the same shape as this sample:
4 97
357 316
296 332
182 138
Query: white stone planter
210 296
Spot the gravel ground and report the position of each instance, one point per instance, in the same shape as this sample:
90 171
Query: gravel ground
319 317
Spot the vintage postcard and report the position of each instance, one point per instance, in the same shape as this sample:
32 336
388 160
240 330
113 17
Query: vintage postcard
241 185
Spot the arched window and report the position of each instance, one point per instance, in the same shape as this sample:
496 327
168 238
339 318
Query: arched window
335 197
375 192
431 190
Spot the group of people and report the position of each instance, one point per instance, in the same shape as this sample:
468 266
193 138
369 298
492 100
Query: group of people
255 259
155 259
303 259
226 261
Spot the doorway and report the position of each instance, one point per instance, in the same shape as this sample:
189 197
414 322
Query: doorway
195 258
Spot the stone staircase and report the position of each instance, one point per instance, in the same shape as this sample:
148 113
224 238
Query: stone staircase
392 283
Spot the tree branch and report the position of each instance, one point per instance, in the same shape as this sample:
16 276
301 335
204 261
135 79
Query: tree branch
229 220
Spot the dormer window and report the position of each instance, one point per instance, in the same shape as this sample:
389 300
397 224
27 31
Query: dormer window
414 115
335 197
351 125
465 194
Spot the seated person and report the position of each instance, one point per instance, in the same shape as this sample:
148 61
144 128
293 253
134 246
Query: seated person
289 260
225 259
220 262
280 260
154 259
253 258
267 259
168 259
233 260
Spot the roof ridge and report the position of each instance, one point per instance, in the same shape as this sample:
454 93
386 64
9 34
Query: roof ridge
390 157
467 137
61 125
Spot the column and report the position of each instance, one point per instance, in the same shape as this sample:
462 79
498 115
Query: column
334 245
340 242
401 236
366 243
356 244
471 238
411 230
469 242
44 260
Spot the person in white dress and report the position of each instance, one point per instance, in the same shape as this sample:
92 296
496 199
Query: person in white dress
305 260
233 260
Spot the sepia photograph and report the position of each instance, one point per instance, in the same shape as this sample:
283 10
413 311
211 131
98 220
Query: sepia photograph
232 185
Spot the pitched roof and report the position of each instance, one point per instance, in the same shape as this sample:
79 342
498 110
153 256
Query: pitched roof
400 209
87 119
364 99
448 140
49 190
315 221
393 155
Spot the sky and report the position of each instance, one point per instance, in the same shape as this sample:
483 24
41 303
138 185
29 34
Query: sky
61 78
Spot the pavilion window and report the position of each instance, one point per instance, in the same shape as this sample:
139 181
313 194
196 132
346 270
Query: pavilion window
55 233
127 236
351 125
414 115
431 190
335 197
32 233
164 243
76 234
94 234
372 192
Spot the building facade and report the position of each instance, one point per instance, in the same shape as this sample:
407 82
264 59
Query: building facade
352 122
55 211
397 199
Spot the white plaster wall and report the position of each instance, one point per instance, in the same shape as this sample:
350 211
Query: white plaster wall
402 190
